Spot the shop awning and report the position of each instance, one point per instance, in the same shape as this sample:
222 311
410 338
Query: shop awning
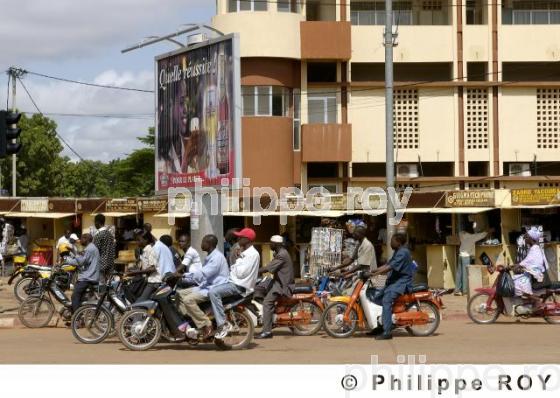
447 210
176 215
368 212
38 215
531 207
116 214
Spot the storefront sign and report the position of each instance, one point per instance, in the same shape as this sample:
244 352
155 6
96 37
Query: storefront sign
470 198
121 205
152 205
34 205
538 196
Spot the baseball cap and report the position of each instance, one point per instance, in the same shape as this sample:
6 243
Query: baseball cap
74 237
246 233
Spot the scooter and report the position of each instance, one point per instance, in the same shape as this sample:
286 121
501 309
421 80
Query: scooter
487 305
301 312
142 326
418 311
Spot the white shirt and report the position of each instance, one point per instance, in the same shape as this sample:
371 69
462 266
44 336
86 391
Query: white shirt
163 260
62 241
245 271
147 258
191 260
468 242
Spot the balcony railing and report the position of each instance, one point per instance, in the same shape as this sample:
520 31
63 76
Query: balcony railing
530 17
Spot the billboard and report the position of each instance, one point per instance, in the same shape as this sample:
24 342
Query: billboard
198 120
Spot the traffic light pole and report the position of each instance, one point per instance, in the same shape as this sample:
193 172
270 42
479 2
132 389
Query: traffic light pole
14 159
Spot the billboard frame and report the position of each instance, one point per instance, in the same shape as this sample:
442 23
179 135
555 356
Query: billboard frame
237 104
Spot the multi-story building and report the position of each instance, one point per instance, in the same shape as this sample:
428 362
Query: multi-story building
477 92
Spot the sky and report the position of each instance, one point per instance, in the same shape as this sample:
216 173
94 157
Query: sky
82 40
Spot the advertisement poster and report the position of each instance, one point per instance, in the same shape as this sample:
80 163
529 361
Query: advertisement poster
196 116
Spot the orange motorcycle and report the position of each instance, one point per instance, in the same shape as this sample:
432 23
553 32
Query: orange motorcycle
418 311
302 312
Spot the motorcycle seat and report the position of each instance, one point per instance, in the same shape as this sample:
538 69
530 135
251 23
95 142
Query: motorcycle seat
38 267
298 289
554 286
419 288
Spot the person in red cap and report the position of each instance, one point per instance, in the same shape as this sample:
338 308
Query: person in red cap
242 280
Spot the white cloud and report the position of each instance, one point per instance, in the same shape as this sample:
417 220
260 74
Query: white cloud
35 29
95 138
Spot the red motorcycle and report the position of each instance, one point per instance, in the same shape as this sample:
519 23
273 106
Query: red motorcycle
487 305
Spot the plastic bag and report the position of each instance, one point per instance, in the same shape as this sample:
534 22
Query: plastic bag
505 286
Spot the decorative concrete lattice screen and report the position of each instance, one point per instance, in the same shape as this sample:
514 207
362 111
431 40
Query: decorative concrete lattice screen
405 119
548 117
431 5
477 118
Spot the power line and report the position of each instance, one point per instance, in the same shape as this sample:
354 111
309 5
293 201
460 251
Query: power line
62 79
338 3
55 131
86 115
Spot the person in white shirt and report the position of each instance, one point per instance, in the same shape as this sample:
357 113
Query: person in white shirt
242 280
64 239
468 239
191 259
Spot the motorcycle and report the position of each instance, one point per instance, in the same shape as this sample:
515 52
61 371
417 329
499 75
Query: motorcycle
28 281
95 320
142 326
487 305
418 311
301 312
37 310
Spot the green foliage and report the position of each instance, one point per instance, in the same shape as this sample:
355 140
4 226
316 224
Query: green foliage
42 171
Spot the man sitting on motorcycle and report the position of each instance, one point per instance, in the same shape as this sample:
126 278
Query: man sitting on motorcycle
282 283
214 272
88 270
531 273
401 272
242 280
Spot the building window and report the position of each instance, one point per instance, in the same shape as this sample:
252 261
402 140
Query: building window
247 5
297 120
531 12
322 107
289 6
405 119
373 13
477 118
548 118
265 101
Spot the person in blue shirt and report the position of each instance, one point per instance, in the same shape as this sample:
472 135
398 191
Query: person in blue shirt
214 272
401 272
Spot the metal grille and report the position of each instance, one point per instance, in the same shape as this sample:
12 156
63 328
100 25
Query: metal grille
431 5
405 119
477 118
548 117
478 185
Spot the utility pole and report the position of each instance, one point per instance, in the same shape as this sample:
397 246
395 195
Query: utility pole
389 149
15 74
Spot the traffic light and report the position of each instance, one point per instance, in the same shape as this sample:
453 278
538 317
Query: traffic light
9 131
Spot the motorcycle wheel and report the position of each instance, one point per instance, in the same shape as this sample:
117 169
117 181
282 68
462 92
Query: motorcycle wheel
241 335
130 334
25 287
478 311
554 319
36 312
88 328
314 325
333 321
432 325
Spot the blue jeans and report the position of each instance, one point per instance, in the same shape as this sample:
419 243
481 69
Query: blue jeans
216 294
390 294
461 274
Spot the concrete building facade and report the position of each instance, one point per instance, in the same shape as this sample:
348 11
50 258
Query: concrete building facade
477 92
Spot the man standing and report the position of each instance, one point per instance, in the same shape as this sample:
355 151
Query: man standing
162 260
401 271
242 280
364 255
468 239
105 243
191 259
214 272
88 270
282 268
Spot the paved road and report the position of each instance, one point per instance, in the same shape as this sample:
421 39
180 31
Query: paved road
458 341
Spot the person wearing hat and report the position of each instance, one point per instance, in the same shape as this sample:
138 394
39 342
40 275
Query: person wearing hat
531 273
282 269
242 280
